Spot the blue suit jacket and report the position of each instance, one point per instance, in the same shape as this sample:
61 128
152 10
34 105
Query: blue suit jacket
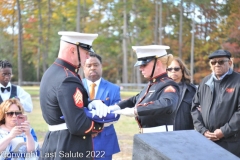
107 140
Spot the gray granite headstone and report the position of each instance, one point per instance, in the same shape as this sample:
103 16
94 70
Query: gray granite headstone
177 145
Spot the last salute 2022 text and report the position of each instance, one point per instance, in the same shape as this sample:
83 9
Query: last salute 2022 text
88 154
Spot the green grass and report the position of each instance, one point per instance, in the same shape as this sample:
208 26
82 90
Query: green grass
125 126
33 90
125 94
36 120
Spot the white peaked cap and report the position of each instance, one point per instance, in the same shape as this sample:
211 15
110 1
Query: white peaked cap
76 37
150 50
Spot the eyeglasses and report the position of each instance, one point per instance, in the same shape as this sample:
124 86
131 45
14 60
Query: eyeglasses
175 69
12 113
220 62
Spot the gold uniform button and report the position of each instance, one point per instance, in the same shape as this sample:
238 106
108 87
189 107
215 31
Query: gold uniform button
84 137
100 128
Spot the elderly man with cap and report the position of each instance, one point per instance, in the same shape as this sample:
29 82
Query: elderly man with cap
62 94
154 106
216 104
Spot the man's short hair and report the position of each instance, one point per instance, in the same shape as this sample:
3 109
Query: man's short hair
91 54
5 64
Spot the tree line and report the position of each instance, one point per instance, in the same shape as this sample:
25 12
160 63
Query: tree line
193 29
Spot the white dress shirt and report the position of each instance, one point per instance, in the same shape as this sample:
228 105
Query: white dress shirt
24 97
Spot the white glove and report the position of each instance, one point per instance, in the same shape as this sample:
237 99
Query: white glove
101 109
126 111
114 107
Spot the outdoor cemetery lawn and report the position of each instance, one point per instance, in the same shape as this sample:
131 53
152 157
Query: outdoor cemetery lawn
126 127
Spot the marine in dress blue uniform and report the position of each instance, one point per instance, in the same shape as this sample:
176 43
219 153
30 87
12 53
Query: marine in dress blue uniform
63 94
154 106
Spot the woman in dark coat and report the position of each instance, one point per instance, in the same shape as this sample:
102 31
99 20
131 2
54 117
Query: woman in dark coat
178 71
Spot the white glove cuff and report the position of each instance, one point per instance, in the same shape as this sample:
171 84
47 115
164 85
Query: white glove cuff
116 107
135 111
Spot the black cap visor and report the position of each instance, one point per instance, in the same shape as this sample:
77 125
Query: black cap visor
143 61
86 47
83 46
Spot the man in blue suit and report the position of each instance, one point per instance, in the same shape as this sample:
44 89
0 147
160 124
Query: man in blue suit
105 142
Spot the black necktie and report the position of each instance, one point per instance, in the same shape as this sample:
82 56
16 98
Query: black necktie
3 89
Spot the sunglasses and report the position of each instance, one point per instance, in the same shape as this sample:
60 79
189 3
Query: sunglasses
175 69
220 62
12 113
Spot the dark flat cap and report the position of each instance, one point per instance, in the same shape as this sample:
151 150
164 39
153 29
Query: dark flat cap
220 53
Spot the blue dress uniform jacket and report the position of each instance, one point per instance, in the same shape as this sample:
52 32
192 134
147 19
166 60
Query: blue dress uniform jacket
107 140
183 118
227 116
63 94
156 103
